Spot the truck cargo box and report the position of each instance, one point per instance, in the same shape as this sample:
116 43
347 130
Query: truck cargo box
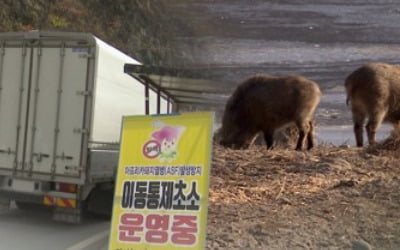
62 98
61 94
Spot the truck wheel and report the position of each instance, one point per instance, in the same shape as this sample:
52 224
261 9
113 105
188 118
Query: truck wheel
100 202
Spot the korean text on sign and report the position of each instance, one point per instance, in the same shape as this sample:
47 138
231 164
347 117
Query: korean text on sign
161 194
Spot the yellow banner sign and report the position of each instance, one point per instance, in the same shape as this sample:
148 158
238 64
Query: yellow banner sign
161 193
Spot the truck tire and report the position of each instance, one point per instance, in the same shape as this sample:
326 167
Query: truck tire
100 202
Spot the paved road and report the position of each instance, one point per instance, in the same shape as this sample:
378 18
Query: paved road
35 230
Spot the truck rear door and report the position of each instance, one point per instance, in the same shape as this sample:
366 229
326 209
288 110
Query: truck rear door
42 107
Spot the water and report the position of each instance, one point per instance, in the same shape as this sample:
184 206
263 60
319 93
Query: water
344 135
322 40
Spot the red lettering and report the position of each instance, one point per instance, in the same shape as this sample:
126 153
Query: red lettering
157 226
129 225
184 229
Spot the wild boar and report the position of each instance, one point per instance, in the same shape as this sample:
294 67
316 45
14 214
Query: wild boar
264 103
283 137
374 92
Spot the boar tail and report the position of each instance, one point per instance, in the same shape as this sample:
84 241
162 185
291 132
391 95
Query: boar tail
349 90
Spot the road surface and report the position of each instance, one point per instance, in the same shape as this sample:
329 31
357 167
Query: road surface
35 230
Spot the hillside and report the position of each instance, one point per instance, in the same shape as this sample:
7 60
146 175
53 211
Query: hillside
139 28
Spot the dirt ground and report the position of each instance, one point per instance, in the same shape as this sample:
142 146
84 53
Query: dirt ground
327 198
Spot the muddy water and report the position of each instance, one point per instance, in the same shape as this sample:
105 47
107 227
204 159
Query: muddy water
343 135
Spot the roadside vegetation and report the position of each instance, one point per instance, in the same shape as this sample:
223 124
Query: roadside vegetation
136 27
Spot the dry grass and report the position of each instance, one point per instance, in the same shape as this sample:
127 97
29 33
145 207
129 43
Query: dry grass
392 143
325 198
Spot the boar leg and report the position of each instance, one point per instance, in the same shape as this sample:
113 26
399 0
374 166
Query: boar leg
358 119
373 124
396 128
269 139
303 127
310 136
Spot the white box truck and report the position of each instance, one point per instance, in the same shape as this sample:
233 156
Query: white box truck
62 98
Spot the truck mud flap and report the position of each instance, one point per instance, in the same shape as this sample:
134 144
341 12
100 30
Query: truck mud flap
68 215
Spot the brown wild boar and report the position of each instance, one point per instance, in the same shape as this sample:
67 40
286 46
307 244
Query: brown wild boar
374 92
283 137
265 103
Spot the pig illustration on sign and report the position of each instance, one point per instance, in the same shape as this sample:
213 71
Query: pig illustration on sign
168 139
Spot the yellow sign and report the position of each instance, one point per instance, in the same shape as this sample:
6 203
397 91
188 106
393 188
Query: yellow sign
161 193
